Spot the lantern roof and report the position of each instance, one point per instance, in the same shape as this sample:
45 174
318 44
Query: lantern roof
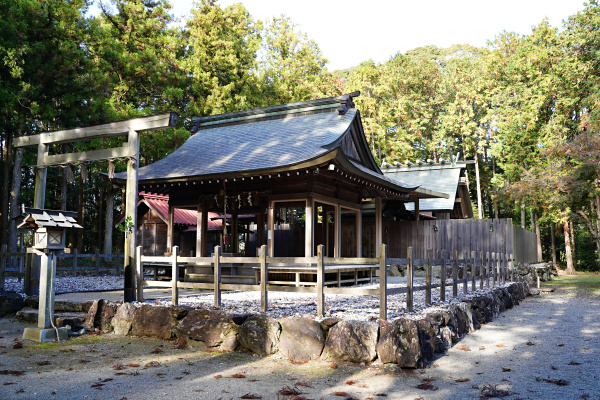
34 218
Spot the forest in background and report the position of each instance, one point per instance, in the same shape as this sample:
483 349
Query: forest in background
525 106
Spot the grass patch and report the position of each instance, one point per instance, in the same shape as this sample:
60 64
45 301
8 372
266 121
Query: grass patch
588 282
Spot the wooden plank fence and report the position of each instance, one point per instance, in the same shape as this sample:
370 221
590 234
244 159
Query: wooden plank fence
487 269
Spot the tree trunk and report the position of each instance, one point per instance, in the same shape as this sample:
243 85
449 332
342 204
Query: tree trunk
6 158
99 220
570 269
523 215
574 253
108 222
531 221
538 233
80 216
14 201
553 239
63 190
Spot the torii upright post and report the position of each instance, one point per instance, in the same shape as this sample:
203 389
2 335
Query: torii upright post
130 150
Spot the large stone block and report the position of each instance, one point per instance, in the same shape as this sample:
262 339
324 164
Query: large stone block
301 338
352 341
428 332
100 315
123 319
209 327
399 343
10 303
260 334
153 321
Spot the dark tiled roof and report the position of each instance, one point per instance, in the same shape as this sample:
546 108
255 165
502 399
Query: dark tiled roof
442 179
260 144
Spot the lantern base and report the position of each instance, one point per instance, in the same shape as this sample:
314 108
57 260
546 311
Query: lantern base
45 334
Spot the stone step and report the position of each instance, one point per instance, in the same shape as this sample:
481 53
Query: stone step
74 319
61 305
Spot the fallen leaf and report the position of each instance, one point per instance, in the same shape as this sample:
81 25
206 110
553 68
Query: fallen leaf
97 385
341 394
500 345
463 347
12 372
574 363
9 383
238 375
363 386
288 391
18 345
199 390
300 383
251 396
481 348
380 395
530 343
217 376
426 386
350 382
461 380
553 367
133 365
489 391
84 361
43 363
333 365
298 362
506 370
106 380
560 345
156 351
152 364
559 382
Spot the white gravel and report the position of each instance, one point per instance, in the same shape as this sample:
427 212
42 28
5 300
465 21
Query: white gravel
281 304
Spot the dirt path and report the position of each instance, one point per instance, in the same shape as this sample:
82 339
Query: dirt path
546 348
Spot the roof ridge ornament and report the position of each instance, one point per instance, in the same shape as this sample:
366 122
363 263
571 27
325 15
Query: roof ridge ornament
347 102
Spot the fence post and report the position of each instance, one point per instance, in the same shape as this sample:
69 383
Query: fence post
473 272
97 261
264 278
217 275
481 270
455 275
465 272
443 277
174 276
493 269
428 278
140 273
409 281
383 283
320 282
75 262
505 267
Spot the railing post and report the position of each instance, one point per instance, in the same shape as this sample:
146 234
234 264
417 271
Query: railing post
443 277
383 283
320 282
481 270
174 276
409 281
473 272
455 275
139 267
217 275
465 257
74 262
264 278
428 278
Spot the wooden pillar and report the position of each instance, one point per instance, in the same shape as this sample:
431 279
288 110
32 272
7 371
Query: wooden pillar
417 212
235 237
202 230
129 294
310 227
108 223
170 227
378 226
359 234
260 229
271 229
337 247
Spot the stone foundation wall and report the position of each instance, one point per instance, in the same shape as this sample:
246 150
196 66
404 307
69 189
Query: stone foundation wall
409 342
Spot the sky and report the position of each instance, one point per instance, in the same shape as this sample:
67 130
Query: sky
352 31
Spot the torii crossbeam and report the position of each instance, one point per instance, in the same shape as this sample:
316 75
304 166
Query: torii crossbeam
130 149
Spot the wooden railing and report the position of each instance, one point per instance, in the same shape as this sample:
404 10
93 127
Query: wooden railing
488 270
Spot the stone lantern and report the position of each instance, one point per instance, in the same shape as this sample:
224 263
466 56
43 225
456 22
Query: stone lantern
49 240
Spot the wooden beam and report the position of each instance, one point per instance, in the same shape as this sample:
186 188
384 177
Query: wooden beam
92 155
270 229
120 128
310 227
358 234
378 226
337 247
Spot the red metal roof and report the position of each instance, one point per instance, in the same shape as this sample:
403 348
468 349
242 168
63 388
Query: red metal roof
160 204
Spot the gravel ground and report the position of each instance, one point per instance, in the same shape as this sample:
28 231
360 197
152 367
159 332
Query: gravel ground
546 348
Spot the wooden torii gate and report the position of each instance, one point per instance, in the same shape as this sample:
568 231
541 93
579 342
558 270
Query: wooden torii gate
130 150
